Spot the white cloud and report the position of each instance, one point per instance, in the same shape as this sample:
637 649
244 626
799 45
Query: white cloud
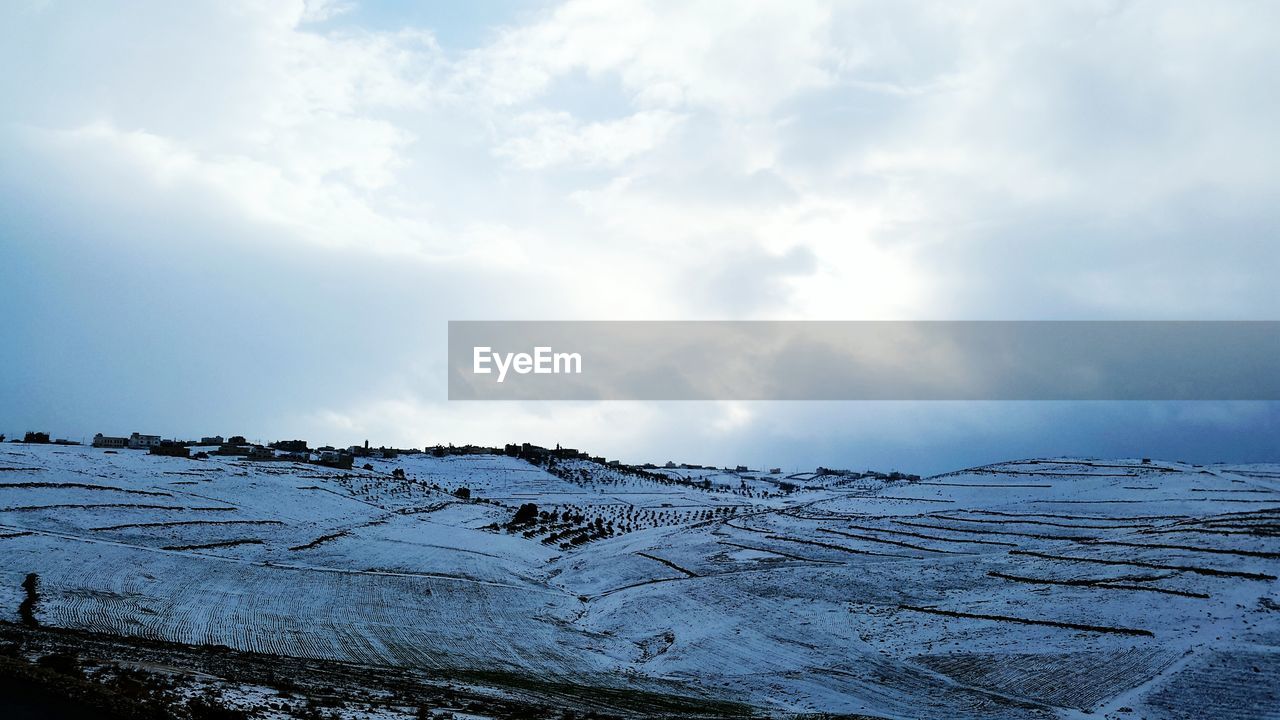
686 55
321 10
299 205
548 139
651 160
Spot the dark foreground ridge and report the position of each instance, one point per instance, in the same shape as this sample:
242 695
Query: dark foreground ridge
58 673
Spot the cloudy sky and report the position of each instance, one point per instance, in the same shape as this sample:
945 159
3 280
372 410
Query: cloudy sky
257 218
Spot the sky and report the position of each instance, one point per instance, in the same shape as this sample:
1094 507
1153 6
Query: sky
257 218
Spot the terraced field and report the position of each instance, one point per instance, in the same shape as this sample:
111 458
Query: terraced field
1030 589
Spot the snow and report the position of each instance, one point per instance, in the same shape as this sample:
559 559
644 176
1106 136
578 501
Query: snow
1113 583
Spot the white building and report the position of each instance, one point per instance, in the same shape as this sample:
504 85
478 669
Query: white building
142 442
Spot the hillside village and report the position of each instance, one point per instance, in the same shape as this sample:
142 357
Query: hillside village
554 459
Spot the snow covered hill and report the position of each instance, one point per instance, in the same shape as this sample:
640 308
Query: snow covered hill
1035 588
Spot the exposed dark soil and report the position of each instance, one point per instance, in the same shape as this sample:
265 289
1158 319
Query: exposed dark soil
669 564
56 673
320 540
212 545
83 486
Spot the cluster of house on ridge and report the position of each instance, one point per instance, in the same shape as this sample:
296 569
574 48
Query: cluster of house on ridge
41 438
237 445
542 456
298 451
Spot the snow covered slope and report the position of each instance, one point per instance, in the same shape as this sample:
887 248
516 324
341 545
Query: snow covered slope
1036 588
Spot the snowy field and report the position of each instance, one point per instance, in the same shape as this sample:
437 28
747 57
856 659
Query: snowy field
1029 589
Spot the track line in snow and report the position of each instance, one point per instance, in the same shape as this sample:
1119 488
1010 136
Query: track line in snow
1095 583
843 548
922 536
779 552
183 523
1192 548
1031 621
1214 572
899 543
